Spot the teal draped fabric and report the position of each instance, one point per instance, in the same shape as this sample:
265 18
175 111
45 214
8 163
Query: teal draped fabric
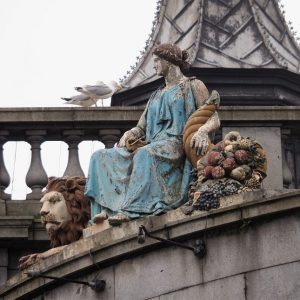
153 179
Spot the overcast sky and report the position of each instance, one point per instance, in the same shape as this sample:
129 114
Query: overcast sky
50 46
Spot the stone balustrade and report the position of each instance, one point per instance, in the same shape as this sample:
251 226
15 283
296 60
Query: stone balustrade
270 125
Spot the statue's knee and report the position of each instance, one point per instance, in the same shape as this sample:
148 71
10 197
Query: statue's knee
142 152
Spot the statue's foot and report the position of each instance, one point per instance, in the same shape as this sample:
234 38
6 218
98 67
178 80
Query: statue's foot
118 219
99 218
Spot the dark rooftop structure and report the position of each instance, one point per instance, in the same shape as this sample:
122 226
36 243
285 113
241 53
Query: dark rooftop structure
242 48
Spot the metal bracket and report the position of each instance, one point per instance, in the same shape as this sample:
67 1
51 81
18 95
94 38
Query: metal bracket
199 249
96 285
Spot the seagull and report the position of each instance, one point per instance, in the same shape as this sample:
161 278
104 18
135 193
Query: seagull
100 90
90 94
81 99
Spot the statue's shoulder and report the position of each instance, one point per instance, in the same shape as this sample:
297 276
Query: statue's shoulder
196 83
199 90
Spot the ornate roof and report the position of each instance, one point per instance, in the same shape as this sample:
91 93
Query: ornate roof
221 34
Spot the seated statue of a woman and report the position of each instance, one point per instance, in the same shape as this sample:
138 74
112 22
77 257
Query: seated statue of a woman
124 185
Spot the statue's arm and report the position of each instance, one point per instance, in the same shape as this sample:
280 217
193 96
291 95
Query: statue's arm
200 92
200 140
135 132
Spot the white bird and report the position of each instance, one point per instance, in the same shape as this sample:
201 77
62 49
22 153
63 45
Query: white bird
90 94
100 90
81 99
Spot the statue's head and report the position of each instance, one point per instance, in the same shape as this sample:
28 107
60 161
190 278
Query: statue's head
65 210
172 54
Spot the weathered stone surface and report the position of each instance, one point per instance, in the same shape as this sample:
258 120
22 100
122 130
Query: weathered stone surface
77 291
278 282
242 198
3 275
150 275
270 139
23 208
3 258
270 207
95 229
2 208
259 246
15 227
271 239
227 288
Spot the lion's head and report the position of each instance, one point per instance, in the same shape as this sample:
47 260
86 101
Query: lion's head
65 210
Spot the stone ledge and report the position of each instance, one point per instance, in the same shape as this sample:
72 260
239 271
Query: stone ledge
132 114
24 227
114 244
15 227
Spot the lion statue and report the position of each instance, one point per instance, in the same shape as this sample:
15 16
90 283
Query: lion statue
65 213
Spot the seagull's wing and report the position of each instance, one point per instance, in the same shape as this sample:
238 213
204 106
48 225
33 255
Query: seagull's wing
98 90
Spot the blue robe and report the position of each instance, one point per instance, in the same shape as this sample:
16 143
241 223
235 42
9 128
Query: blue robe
153 179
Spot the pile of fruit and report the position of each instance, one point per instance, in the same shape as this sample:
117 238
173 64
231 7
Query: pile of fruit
233 165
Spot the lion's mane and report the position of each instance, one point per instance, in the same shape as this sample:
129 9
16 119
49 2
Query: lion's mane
78 205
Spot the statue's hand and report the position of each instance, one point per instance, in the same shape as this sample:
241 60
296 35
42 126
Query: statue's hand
28 260
200 142
127 135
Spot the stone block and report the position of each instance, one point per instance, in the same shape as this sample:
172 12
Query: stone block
2 208
3 275
77 291
23 208
96 228
227 288
150 275
15 232
270 139
3 257
279 282
260 245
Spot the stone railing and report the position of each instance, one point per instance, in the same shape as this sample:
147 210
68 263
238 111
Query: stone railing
71 125
270 125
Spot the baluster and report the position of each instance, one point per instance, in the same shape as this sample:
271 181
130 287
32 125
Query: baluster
74 137
109 137
36 177
4 176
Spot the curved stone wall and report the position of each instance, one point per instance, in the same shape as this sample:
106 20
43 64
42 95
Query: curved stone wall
253 252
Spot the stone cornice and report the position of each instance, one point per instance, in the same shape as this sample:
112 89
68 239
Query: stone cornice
131 114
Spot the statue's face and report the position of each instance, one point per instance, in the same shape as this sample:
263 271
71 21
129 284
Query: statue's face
54 210
161 66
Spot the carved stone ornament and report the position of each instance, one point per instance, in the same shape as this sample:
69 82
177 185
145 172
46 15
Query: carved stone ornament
65 213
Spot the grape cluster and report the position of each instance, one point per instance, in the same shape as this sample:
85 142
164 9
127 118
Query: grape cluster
193 184
210 194
208 200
